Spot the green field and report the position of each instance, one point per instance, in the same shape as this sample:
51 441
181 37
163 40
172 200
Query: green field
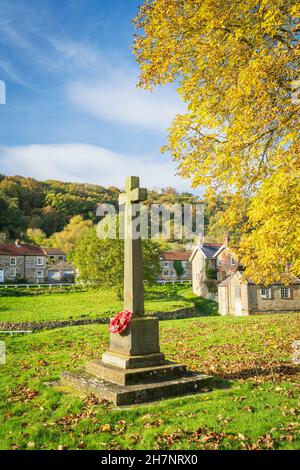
87 304
257 406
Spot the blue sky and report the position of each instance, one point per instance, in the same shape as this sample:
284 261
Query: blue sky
73 111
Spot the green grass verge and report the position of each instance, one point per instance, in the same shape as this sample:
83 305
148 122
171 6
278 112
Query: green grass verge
259 410
88 304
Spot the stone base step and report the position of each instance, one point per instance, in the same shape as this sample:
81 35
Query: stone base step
126 377
135 394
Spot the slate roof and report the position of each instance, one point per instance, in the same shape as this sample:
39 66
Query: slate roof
20 250
210 249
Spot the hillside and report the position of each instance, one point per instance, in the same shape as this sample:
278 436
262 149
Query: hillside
49 205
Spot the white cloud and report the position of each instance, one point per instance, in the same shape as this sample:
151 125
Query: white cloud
88 163
116 98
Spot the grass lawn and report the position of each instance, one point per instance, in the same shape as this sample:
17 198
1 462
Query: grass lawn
86 304
258 409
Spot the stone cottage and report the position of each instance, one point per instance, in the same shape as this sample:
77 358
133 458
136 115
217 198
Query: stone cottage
33 264
54 254
60 272
211 262
22 262
240 296
167 260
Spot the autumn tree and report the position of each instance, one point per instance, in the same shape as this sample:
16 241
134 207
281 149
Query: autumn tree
100 262
74 231
37 236
236 66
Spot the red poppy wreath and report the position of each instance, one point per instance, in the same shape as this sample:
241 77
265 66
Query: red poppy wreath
120 322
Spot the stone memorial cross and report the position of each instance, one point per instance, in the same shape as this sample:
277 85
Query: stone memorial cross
134 370
133 262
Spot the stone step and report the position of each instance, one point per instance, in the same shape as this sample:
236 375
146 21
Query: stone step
125 377
135 394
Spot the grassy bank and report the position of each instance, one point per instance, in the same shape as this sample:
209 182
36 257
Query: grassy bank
87 304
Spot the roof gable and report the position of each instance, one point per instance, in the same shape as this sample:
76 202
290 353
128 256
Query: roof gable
209 250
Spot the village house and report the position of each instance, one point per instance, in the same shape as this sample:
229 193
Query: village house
54 254
239 296
168 262
60 271
21 262
211 263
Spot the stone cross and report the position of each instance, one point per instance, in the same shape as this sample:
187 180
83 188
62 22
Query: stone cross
133 260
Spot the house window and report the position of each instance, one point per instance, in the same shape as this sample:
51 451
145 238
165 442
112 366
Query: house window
52 257
40 261
232 262
219 262
238 292
39 274
285 293
13 272
183 264
166 273
13 261
265 292
61 258
166 264
184 272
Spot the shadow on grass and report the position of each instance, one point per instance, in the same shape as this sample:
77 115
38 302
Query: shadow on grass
204 307
278 370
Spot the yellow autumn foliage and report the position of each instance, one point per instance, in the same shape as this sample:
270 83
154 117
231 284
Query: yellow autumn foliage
236 66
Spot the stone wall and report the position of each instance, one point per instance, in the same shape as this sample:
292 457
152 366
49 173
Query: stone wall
188 312
275 304
199 275
26 268
32 268
5 264
224 266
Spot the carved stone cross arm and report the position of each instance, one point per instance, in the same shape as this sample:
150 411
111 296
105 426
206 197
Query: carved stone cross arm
133 194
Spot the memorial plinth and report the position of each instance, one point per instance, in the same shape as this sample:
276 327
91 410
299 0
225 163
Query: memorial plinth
134 370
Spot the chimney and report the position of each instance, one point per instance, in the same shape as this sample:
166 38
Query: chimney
18 243
226 239
200 240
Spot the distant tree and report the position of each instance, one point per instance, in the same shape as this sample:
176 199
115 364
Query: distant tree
74 231
100 262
